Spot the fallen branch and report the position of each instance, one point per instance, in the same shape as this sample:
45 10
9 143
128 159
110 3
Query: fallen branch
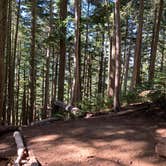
67 107
142 108
123 113
20 147
7 129
32 159
43 122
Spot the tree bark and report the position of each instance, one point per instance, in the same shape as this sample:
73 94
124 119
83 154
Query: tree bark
76 94
48 53
137 56
117 57
10 64
14 64
127 59
112 63
3 22
101 61
62 60
155 39
32 63
24 109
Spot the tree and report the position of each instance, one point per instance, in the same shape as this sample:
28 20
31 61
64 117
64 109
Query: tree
137 57
3 22
62 60
48 52
117 57
32 62
112 62
76 94
155 39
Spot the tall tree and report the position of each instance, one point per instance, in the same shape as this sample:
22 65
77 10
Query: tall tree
76 94
117 56
62 60
10 63
101 64
48 52
32 62
3 21
14 60
155 39
112 62
137 56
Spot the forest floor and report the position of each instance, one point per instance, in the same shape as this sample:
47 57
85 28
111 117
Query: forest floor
98 141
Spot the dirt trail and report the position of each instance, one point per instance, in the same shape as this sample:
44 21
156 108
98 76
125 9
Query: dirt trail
100 141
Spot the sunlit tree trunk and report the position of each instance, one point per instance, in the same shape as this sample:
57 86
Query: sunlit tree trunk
48 52
155 39
111 83
117 57
76 94
137 57
84 73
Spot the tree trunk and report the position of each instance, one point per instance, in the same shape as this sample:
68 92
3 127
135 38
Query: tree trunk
137 56
127 59
24 110
155 39
112 63
76 94
18 83
3 21
13 63
10 65
84 74
117 57
48 52
101 61
125 56
62 60
55 76
32 63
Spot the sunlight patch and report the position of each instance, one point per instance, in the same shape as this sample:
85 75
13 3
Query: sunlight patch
45 138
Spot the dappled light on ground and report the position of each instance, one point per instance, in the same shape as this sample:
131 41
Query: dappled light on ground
98 141
44 139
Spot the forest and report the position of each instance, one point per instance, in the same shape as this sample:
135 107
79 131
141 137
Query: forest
66 60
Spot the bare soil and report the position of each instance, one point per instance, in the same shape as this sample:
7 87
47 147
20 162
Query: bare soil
98 141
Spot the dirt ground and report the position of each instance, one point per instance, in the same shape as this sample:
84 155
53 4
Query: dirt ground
99 141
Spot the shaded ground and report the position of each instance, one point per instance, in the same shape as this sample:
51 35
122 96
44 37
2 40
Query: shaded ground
99 141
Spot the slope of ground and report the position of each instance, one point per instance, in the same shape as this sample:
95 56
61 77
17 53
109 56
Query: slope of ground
98 141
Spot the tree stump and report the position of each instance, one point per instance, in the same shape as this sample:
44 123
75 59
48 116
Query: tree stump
160 148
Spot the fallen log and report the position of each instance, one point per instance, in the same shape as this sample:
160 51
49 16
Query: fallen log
44 121
160 147
32 159
66 107
21 150
7 129
25 155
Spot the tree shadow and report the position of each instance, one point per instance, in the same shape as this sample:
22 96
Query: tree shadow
119 140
